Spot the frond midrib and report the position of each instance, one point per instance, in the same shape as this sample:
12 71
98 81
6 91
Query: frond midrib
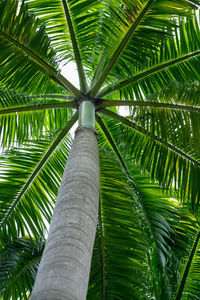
107 103
35 260
187 268
150 136
38 168
18 109
116 87
44 65
114 146
81 73
120 48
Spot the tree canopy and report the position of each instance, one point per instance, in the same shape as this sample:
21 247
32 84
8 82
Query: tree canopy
141 54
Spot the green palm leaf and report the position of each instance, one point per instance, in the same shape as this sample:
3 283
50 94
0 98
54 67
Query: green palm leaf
36 183
23 116
115 215
168 64
84 16
23 40
154 221
160 216
189 285
169 165
19 260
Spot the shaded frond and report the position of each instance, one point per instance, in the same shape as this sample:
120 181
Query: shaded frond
26 52
36 170
170 166
20 120
19 261
119 262
168 231
190 283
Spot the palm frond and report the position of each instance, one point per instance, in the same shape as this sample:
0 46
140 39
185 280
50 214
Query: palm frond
112 144
169 165
177 95
179 124
154 29
168 64
81 73
23 117
93 22
119 261
120 48
169 232
157 220
190 282
86 19
26 52
173 124
186 93
19 261
36 168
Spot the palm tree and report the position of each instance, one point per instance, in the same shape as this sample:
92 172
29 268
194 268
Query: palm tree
115 227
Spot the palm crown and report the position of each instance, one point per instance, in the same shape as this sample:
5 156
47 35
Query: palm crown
140 54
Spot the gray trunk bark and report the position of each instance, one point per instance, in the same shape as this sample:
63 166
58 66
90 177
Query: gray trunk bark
65 265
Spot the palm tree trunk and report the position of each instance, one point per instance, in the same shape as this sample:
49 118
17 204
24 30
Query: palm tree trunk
65 265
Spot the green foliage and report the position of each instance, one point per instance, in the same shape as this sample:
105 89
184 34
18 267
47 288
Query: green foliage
32 175
16 127
25 49
147 239
19 261
167 231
